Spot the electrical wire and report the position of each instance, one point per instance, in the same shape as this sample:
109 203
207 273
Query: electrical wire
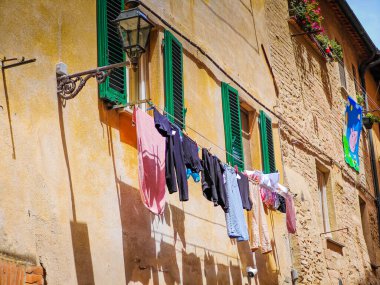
201 135
358 84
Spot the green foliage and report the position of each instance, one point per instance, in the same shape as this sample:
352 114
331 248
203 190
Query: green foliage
308 16
307 13
359 99
373 118
337 50
326 43
298 9
323 40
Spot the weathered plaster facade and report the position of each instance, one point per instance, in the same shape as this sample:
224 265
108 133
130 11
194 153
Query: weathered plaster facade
70 198
312 100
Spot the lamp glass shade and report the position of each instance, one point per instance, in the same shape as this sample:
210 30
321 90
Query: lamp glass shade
134 29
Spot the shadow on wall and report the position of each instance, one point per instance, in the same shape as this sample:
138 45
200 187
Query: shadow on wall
82 253
306 69
140 244
209 269
224 18
79 231
191 268
147 256
9 113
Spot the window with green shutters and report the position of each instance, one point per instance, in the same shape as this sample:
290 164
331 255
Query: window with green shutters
173 63
267 147
110 51
232 126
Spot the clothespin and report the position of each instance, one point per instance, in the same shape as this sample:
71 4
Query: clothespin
236 169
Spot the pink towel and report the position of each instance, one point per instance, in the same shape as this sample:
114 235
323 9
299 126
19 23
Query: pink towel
151 156
290 214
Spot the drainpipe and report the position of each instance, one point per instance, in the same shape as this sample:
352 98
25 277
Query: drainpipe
362 70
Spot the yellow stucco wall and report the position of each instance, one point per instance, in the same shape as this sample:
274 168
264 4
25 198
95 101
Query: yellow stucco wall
68 174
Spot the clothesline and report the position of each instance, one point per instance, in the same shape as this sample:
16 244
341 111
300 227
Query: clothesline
204 137
187 126
159 140
150 103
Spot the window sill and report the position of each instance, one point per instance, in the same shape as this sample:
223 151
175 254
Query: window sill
128 110
334 245
344 92
308 38
334 242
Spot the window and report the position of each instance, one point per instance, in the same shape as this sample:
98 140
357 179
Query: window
322 183
232 126
267 146
342 75
173 64
114 89
246 131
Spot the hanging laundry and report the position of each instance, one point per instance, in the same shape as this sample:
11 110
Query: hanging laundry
253 175
259 236
235 220
221 191
290 214
282 207
162 124
277 200
175 169
212 180
272 192
282 188
244 191
270 180
191 157
266 196
195 175
151 158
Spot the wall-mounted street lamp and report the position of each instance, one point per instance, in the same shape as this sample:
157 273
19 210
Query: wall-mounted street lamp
134 29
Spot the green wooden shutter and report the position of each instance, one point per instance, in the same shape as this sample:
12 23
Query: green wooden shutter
110 51
232 126
267 147
173 63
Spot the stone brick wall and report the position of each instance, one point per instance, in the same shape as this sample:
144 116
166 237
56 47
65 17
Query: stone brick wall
16 272
312 103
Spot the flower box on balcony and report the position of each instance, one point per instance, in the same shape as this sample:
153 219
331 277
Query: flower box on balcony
309 37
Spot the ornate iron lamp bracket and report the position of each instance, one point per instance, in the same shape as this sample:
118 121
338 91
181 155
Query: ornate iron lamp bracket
68 86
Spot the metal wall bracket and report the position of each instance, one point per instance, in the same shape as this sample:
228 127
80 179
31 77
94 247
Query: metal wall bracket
343 229
68 86
131 104
306 33
21 61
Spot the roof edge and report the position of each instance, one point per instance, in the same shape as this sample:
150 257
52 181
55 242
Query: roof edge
346 9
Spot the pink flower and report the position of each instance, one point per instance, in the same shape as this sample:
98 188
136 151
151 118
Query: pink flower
315 26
